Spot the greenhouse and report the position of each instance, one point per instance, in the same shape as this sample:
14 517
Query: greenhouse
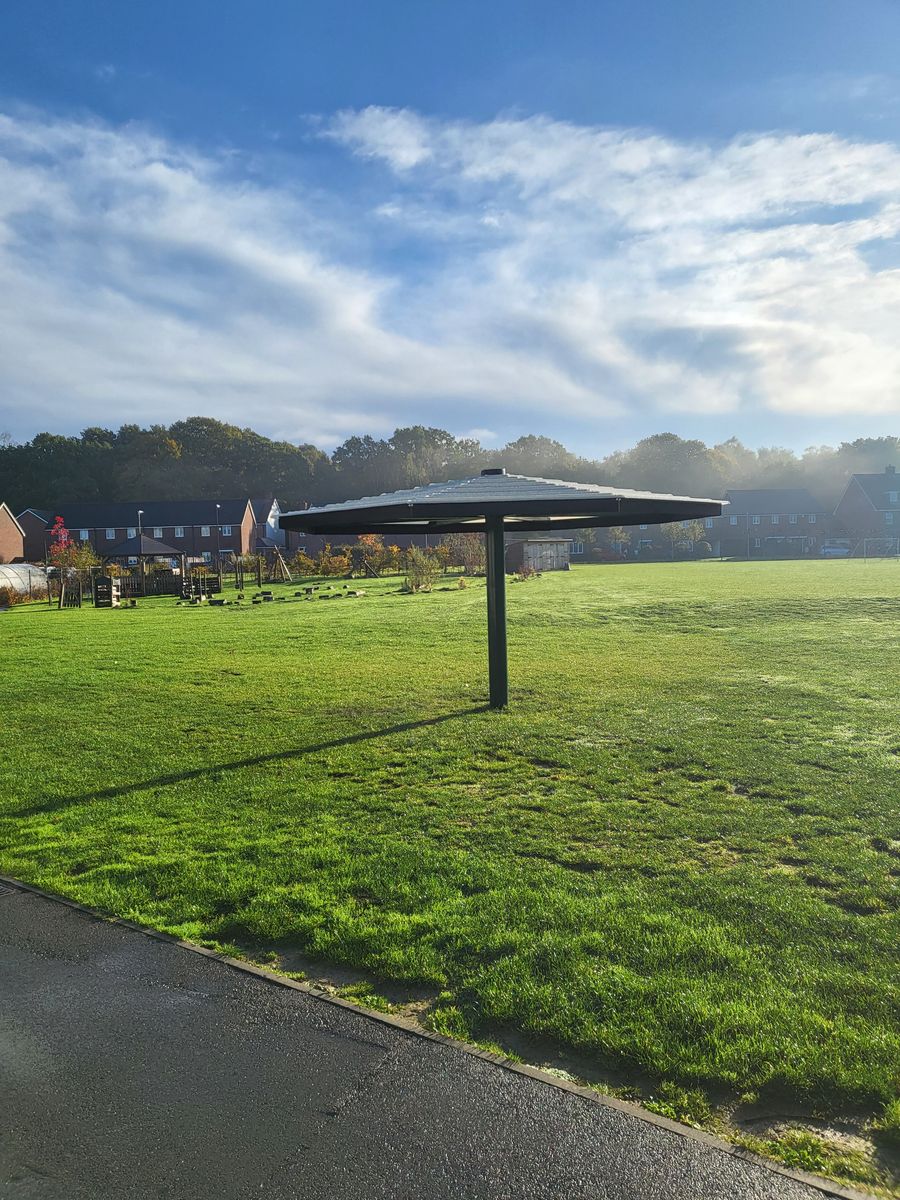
22 580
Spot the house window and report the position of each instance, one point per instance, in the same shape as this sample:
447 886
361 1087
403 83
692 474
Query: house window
132 561
812 518
708 522
732 520
893 496
756 520
179 531
757 542
110 535
130 533
204 531
84 534
207 556
642 527
226 531
793 518
157 532
776 519
888 518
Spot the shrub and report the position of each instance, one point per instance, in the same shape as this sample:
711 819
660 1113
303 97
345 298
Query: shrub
421 570
465 550
302 564
10 596
333 563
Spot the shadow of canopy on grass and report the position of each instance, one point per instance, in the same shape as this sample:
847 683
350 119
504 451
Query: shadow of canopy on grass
350 739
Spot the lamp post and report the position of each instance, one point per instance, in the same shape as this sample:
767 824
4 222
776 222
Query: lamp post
218 539
141 562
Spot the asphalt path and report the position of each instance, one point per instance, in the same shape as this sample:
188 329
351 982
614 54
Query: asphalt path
135 1068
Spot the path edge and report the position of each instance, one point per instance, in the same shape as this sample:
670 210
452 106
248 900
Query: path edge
826 1186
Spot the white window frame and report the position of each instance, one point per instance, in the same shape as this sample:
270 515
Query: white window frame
225 530
776 518
642 526
131 531
893 497
757 543
792 519
84 534
708 522
179 531
204 530
812 518
756 520
132 560
888 518
157 532
110 535
207 555
732 520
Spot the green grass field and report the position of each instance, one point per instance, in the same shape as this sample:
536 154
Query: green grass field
675 858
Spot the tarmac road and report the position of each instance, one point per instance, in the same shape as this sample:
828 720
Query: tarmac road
135 1068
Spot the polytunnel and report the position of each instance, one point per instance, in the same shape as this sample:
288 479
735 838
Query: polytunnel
24 579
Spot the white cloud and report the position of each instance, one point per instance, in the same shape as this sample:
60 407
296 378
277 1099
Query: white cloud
517 272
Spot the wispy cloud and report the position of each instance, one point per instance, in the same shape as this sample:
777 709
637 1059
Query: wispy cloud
517 269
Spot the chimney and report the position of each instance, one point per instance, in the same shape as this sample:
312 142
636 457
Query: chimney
890 470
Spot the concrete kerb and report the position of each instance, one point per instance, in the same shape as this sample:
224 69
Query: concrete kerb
825 1186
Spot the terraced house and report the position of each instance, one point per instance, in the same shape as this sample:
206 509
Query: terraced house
770 523
201 529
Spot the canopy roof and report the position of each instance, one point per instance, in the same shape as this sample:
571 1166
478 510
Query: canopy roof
142 546
522 502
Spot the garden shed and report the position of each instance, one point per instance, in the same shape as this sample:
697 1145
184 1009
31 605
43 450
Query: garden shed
538 554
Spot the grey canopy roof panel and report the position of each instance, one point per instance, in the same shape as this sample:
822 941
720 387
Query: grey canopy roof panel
524 503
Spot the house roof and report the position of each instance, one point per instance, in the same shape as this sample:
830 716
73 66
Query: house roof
876 488
142 547
262 507
764 501
43 514
521 501
12 516
123 514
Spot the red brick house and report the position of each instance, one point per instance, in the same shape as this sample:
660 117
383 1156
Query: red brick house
870 507
12 536
196 528
770 523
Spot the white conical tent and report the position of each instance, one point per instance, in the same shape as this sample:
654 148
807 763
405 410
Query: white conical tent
494 503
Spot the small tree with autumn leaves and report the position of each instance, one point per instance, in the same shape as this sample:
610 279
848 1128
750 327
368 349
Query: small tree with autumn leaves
66 552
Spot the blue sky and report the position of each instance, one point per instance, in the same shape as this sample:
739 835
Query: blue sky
589 220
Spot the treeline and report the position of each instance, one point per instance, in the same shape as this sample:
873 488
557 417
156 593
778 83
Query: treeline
202 458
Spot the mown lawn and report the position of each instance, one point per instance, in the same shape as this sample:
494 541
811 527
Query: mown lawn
678 852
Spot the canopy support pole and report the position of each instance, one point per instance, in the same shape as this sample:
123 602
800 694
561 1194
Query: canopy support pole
496 604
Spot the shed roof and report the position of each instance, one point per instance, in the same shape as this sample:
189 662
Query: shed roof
523 502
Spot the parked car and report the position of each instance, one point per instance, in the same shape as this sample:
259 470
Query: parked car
836 548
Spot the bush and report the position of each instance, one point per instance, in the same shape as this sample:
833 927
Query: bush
10 596
333 563
302 564
465 550
422 569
